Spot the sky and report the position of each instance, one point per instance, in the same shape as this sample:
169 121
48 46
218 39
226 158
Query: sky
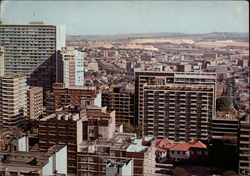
126 17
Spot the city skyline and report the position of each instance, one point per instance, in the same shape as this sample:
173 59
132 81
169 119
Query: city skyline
126 17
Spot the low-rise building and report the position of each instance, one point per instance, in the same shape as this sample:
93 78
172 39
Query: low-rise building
93 155
49 162
179 151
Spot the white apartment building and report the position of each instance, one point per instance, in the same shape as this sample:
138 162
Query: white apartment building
72 67
13 99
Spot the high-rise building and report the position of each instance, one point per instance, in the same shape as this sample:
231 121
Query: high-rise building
13 99
62 127
62 95
31 50
178 112
244 146
1 60
162 78
72 67
122 101
225 128
35 102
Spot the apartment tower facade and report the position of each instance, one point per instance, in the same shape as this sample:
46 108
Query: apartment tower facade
178 112
35 102
13 99
31 50
1 61
72 67
162 78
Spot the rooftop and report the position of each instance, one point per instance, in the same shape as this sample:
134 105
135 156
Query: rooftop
28 159
165 144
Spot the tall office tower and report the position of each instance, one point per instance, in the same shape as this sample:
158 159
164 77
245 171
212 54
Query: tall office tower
1 60
35 102
72 72
31 50
162 78
122 101
178 112
244 146
13 99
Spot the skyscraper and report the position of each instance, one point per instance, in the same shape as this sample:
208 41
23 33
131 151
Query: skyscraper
31 50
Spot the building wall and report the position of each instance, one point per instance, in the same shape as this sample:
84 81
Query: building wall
2 61
13 96
61 160
244 148
178 112
152 78
23 144
55 131
179 155
98 100
35 102
223 127
48 168
73 67
122 103
30 50
62 96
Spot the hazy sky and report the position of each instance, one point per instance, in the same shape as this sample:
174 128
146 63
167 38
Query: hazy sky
116 17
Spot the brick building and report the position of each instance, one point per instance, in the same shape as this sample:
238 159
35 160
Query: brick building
62 95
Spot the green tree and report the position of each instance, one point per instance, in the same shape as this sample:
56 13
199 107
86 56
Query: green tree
223 104
128 128
178 171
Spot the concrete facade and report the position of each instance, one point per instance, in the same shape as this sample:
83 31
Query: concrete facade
162 78
178 112
13 99
2 61
35 102
73 67
31 50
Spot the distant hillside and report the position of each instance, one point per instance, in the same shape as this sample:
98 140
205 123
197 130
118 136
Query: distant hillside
244 37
